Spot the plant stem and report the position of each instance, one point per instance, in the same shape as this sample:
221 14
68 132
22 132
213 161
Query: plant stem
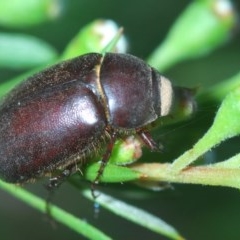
205 175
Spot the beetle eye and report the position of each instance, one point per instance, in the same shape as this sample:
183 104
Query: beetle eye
166 96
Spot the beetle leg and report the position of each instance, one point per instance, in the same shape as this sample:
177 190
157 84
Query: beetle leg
104 162
55 182
147 139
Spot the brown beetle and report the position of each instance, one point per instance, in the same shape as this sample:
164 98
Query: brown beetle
59 117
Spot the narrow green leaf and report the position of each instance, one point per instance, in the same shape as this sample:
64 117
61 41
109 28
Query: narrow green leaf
112 173
24 51
19 13
233 162
225 125
219 91
69 220
112 44
136 215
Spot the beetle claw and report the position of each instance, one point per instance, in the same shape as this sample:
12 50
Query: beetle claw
93 190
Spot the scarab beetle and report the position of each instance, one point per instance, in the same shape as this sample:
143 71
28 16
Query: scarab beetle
59 117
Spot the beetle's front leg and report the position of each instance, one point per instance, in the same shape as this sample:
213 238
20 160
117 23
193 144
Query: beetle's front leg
149 142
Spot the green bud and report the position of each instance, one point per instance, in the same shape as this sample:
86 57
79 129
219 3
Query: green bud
126 151
94 38
202 27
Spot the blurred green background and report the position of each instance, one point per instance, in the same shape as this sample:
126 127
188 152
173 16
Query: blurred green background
198 212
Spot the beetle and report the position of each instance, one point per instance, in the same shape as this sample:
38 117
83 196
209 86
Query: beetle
61 116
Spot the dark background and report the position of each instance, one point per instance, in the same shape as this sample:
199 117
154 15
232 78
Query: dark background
198 212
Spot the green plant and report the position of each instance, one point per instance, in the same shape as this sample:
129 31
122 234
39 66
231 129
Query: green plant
206 36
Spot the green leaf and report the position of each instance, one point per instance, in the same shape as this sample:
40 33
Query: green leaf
137 216
225 125
24 51
112 173
19 13
58 214
219 91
